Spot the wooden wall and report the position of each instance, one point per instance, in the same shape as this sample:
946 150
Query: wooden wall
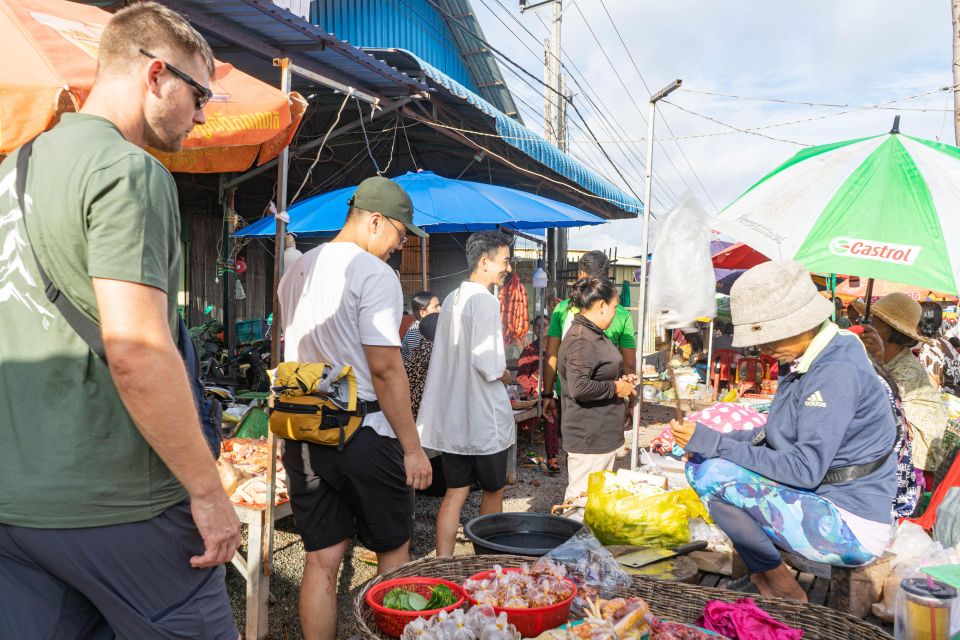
205 287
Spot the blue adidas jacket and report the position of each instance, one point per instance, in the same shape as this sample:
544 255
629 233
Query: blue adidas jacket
832 411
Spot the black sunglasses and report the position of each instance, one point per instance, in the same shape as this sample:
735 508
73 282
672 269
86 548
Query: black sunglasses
203 94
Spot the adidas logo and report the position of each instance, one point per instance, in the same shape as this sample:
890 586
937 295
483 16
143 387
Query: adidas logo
815 400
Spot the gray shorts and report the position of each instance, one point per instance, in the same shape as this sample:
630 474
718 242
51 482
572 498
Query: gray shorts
121 581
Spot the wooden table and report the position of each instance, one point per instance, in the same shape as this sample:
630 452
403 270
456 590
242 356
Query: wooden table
251 567
519 416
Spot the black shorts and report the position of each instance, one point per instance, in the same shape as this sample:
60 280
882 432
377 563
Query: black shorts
126 580
361 491
489 470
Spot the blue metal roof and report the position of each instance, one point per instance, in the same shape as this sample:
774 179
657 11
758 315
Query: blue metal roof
526 140
413 25
422 27
249 33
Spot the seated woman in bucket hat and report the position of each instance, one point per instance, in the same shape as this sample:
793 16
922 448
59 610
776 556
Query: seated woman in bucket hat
819 479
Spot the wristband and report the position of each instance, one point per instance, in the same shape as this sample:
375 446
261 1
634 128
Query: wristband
546 395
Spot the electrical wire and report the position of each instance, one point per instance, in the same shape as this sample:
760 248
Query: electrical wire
366 140
519 71
806 103
393 146
752 132
336 121
636 102
605 119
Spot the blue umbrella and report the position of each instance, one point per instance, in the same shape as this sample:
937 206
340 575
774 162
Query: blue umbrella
440 205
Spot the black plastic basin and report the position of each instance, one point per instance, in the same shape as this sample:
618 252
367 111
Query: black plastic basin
522 534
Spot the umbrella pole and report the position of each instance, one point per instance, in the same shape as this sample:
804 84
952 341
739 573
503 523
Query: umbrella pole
710 355
266 549
866 314
423 265
833 294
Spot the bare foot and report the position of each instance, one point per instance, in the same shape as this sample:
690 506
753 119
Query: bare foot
779 583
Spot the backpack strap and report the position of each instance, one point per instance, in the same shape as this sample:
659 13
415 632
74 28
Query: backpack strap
86 328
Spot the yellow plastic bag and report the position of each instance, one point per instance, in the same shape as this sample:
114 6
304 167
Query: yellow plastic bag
617 516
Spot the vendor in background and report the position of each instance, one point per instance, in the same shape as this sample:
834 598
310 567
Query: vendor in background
623 335
939 356
528 377
418 362
894 319
594 389
853 315
422 305
820 478
842 320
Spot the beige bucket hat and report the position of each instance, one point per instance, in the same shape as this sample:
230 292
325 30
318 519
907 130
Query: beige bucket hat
773 301
898 310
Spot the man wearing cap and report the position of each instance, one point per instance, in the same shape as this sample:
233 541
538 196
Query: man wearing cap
819 480
342 304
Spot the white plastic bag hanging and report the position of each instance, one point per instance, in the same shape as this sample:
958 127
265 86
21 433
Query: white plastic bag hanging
682 282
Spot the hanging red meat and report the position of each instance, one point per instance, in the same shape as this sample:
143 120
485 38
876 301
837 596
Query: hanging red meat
513 310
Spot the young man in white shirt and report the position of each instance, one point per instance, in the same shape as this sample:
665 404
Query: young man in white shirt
342 305
465 412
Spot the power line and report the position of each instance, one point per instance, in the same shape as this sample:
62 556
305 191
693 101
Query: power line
806 103
604 119
453 20
665 123
631 98
752 132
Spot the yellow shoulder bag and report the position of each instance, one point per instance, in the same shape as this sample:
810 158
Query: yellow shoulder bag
317 402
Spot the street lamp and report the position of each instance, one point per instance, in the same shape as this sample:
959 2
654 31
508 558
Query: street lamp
647 198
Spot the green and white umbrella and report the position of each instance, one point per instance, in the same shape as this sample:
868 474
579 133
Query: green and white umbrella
884 207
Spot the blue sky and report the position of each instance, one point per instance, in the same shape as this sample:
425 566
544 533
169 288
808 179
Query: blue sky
849 52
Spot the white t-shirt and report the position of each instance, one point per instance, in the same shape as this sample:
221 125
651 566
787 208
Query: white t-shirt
465 407
335 300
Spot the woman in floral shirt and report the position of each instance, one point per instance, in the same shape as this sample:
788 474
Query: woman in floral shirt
938 357
895 318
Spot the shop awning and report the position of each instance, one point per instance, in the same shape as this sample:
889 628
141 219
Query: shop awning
440 205
51 48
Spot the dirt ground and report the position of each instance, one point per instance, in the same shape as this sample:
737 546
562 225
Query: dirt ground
534 491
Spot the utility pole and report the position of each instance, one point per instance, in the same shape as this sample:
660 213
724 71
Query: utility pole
956 71
554 113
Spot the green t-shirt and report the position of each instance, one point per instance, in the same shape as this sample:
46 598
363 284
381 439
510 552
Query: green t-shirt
98 207
621 331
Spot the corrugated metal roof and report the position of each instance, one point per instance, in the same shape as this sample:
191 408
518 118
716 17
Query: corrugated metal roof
248 33
520 137
423 27
413 25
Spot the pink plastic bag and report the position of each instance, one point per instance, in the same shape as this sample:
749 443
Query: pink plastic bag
728 416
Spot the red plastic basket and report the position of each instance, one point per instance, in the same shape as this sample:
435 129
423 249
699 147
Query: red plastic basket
391 621
532 622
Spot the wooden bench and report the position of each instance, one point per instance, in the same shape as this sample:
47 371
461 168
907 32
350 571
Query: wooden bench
852 590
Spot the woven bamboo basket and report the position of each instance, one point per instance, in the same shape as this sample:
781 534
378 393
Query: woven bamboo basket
667 600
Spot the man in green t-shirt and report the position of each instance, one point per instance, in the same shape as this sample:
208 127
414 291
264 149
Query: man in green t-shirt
592 264
113 520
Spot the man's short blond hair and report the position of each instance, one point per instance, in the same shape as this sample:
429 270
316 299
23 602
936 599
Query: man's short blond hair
154 28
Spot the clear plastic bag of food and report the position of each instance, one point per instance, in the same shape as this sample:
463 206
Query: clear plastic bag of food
594 569
617 516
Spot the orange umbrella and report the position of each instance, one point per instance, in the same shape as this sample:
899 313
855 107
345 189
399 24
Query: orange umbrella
849 291
51 59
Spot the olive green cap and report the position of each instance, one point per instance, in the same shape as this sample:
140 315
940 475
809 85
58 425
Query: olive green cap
380 195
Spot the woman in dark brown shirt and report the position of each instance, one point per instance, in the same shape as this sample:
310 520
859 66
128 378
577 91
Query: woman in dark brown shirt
593 385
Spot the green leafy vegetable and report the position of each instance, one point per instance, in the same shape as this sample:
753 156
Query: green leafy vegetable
441 596
401 599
